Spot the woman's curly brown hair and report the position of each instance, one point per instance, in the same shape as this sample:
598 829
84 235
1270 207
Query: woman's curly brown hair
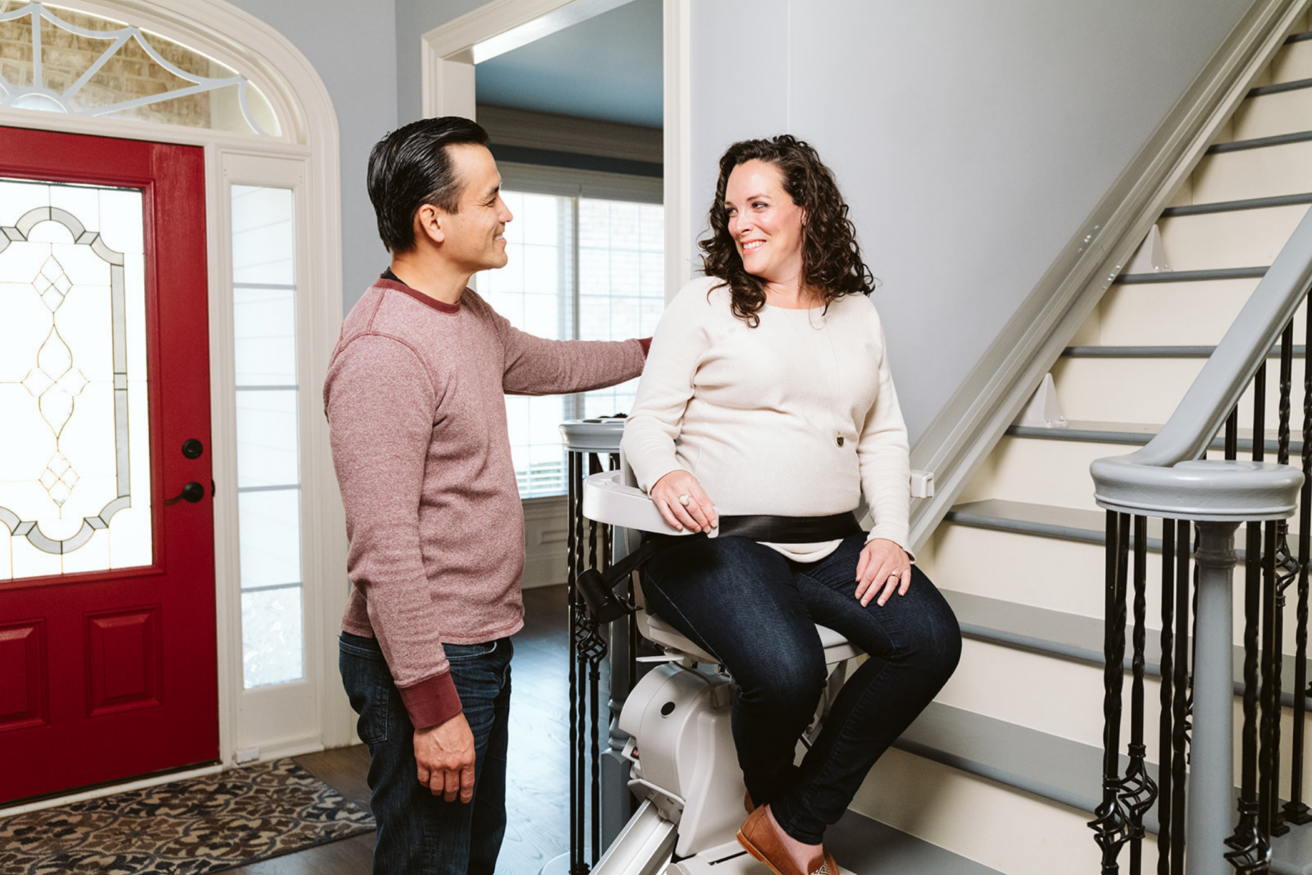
831 258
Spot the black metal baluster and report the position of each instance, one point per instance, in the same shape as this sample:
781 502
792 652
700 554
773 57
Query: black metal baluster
594 648
1111 824
1295 810
1286 572
1138 791
1232 434
1248 852
574 540
1181 685
1164 725
1266 776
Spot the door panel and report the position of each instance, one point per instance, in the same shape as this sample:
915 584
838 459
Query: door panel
107 638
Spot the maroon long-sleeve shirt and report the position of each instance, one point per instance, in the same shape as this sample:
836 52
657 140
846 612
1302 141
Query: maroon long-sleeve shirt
417 419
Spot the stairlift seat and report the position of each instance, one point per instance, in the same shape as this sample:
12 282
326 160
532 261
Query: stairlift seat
608 499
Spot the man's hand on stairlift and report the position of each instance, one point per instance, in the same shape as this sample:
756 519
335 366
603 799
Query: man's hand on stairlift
683 503
882 568
445 754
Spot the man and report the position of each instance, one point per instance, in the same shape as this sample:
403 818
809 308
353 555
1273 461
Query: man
417 418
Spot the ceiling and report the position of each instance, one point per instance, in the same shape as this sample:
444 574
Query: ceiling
608 67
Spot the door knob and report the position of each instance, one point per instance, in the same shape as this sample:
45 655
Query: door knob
192 492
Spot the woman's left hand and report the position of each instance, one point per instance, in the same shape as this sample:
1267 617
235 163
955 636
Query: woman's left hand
883 567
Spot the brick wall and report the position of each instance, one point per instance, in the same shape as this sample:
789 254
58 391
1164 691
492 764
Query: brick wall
129 74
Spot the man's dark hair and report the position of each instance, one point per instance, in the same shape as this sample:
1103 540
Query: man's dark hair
411 167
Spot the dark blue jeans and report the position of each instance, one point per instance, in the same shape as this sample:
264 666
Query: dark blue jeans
417 831
756 612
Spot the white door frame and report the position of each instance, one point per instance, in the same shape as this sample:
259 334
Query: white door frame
450 52
310 138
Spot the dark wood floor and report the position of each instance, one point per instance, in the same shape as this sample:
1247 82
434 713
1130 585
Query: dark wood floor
538 767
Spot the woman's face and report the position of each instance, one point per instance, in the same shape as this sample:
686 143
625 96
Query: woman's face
765 224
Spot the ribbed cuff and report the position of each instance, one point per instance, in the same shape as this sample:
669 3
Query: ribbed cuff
431 702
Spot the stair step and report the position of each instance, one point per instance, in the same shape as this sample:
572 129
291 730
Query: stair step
1188 276
1160 352
1279 88
1253 203
1260 143
1064 771
866 847
1139 434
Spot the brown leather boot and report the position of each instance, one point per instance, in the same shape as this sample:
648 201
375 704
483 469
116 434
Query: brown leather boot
748 804
763 842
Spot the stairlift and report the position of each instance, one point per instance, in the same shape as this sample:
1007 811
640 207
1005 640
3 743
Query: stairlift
684 766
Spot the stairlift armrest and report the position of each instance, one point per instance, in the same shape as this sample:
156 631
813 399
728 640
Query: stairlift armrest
606 499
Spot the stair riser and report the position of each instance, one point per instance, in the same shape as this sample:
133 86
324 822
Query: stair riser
1169 314
1291 63
1251 173
1270 114
1244 238
1150 390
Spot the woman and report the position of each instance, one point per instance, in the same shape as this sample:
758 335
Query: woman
767 394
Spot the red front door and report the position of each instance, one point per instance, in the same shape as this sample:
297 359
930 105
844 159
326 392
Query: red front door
107 630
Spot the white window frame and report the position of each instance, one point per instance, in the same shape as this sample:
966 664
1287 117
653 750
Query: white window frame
305 156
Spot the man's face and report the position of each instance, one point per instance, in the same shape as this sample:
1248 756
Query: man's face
472 237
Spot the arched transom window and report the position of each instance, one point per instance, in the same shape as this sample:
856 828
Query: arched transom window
61 60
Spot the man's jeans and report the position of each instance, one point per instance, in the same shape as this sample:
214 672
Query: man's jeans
417 831
756 612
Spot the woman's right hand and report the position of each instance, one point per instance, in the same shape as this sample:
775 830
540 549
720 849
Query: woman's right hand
683 503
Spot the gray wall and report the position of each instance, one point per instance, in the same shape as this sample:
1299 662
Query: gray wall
351 44
971 139
414 18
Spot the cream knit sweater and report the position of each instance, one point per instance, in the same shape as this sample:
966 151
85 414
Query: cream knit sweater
796 417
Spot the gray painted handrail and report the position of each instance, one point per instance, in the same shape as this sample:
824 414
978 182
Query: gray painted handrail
1165 478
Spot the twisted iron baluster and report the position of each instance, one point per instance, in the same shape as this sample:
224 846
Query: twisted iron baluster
1266 765
1164 726
576 616
1138 791
1295 810
596 652
1286 572
1111 824
1180 706
1246 842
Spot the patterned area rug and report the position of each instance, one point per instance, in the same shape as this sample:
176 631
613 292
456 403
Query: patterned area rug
191 827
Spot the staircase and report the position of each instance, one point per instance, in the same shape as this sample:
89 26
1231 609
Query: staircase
1005 767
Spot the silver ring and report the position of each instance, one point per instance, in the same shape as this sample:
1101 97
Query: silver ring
684 499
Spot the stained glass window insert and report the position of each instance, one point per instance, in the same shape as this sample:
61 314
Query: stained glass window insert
75 467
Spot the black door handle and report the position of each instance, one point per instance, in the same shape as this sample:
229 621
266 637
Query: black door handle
192 492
